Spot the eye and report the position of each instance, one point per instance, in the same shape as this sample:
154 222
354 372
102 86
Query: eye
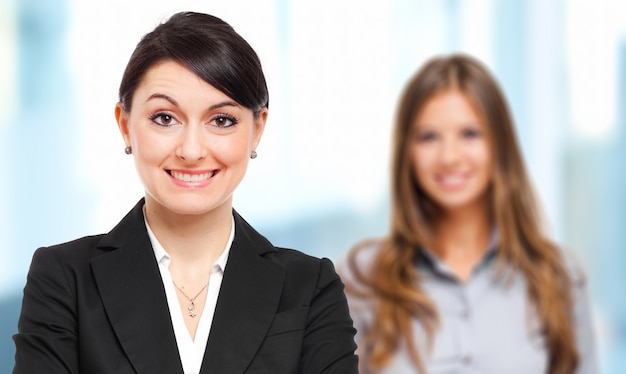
471 133
163 119
224 121
426 136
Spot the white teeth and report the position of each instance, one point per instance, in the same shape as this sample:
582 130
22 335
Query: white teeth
191 177
452 179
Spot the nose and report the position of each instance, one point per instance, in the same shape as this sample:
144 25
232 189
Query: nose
450 151
191 146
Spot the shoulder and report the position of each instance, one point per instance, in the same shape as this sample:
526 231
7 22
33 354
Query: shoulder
292 257
88 247
359 259
301 267
296 263
59 270
354 270
73 251
574 267
63 264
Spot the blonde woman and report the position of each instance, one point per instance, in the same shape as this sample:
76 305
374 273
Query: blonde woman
466 281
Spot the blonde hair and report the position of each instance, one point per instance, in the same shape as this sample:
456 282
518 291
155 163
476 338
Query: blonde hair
393 280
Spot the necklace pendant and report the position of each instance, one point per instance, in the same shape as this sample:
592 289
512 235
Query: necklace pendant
192 309
192 306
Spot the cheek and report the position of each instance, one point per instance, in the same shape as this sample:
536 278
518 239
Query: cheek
481 154
422 159
231 148
147 146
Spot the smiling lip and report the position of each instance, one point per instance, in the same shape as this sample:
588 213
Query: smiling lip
192 179
452 181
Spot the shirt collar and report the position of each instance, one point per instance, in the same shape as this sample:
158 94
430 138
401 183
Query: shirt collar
164 258
430 260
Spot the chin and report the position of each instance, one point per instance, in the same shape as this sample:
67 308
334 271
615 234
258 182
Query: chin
190 205
196 208
452 205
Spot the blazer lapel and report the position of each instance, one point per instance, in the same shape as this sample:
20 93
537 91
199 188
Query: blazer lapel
132 291
248 300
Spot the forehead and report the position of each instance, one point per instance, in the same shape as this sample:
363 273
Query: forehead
168 74
449 107
176 81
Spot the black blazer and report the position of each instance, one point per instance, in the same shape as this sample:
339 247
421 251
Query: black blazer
98 305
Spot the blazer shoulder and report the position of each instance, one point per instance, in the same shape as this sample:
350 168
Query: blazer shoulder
72 248
288 256
301 265
248 237
77 244
88 247
305 275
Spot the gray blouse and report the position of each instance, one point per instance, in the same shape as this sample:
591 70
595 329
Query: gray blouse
487 324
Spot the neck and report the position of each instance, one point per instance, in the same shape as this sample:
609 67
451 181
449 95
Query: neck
462 237
193 242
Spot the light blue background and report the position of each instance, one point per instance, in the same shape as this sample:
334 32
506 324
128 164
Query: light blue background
335 69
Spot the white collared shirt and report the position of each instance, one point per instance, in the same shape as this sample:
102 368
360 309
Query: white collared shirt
191 352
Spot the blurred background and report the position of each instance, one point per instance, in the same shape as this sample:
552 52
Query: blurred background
335 69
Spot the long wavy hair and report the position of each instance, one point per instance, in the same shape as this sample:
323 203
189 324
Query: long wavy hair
393 280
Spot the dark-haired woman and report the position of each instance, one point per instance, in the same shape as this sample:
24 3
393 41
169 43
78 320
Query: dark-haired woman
466 281
183 284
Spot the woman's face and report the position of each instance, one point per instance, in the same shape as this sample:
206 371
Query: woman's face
451 152
191 142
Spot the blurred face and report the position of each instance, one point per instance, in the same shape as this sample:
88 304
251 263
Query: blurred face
191 143
451 152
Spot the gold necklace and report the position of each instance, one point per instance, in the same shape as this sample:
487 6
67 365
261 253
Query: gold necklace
192 306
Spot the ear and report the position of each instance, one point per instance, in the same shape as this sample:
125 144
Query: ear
122 122
259 126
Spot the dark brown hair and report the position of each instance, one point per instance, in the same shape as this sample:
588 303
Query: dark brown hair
207 46
393 280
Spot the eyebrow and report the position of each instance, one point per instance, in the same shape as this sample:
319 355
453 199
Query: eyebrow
175 103
162 96
466 123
